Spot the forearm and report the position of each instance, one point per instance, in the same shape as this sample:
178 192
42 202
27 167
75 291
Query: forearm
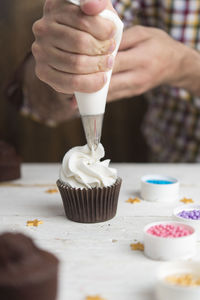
39 101
188 70
46 104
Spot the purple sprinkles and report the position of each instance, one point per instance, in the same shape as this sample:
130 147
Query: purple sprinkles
190 214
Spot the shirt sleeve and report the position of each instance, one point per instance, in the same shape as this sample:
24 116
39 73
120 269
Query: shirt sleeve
13 90
35 99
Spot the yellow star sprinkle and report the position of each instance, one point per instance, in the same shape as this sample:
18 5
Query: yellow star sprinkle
184 280
187 200
137 246
94 298
133 200
51 191
35 223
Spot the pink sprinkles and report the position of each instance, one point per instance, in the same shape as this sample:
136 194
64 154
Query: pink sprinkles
169 230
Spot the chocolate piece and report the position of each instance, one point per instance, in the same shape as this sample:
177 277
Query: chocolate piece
9 162
90 205
26 272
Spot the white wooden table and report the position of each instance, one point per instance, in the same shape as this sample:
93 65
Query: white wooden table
96 259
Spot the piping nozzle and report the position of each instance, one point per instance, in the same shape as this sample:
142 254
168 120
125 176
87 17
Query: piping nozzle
92 125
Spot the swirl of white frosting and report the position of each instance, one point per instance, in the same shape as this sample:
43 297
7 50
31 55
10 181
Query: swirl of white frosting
82 168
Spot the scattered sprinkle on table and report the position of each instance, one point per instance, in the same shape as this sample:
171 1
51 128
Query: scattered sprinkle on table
94 298
190 214
51 191
187 200
9 184
137 246
184 280
133 200
169 231
34 223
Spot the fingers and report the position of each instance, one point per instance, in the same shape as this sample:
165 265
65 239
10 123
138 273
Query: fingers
125 85
68 83
93 7
127 60
98 27
72 63
81 64
72 50
133 36
119 83
123 62
75 41
70 39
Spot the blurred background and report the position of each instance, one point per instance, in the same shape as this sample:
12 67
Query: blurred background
35 142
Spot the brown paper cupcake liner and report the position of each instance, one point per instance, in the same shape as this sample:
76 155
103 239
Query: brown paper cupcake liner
90 205
10 170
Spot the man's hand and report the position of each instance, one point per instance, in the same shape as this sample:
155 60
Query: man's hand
73 46
149 57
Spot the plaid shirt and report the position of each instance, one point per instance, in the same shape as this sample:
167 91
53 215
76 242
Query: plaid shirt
172 122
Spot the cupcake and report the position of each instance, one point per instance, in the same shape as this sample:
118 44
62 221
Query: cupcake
9 162
89 187
26 272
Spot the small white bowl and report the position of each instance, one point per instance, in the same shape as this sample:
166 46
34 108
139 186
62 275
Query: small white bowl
168 291
152 191
167 248
193 223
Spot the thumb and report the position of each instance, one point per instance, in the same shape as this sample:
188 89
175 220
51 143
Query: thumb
93 7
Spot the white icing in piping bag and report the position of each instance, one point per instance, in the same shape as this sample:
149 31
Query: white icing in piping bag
92 105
